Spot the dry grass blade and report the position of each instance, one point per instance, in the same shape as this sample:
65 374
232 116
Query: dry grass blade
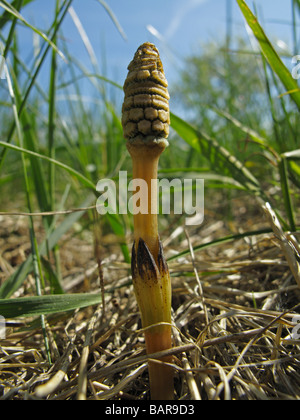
50 386
118 389
82 381
286 245
191 382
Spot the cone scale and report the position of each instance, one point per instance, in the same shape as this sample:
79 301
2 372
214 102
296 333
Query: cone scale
146 120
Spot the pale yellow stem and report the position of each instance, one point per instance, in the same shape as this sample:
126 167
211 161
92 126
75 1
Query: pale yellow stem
151 277
145 163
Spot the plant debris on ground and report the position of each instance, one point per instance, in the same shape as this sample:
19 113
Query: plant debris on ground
234 307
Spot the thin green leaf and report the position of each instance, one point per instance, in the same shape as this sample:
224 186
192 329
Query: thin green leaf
14 12
294 172
221 161
270 53
247 130
32 76
118 228
297 4
113 18
45 305
85 181
224 240
283 171
87 75
55 285
36 263
6 16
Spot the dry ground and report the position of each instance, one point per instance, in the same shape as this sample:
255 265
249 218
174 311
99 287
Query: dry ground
233 307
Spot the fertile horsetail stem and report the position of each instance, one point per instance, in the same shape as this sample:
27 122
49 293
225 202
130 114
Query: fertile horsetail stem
146 120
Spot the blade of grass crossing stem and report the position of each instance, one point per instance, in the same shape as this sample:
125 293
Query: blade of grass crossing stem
270 54
34 247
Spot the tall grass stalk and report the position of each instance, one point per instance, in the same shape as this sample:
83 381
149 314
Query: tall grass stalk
34 246
51 147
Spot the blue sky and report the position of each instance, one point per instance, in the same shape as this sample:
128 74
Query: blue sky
177 27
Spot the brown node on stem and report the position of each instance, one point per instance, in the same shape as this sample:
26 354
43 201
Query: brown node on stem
152 286
145 112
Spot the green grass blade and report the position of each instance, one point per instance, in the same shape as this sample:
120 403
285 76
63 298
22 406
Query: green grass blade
37 173
293 166
14 12
85 181
12 31
15 281
45 305
32 76
113 18
118 229
55 283
221 161
270 53
220 241
256 137
36 263
52 117
283 171
6 16
90 76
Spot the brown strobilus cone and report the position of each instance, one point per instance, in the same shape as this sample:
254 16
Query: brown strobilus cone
146 120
